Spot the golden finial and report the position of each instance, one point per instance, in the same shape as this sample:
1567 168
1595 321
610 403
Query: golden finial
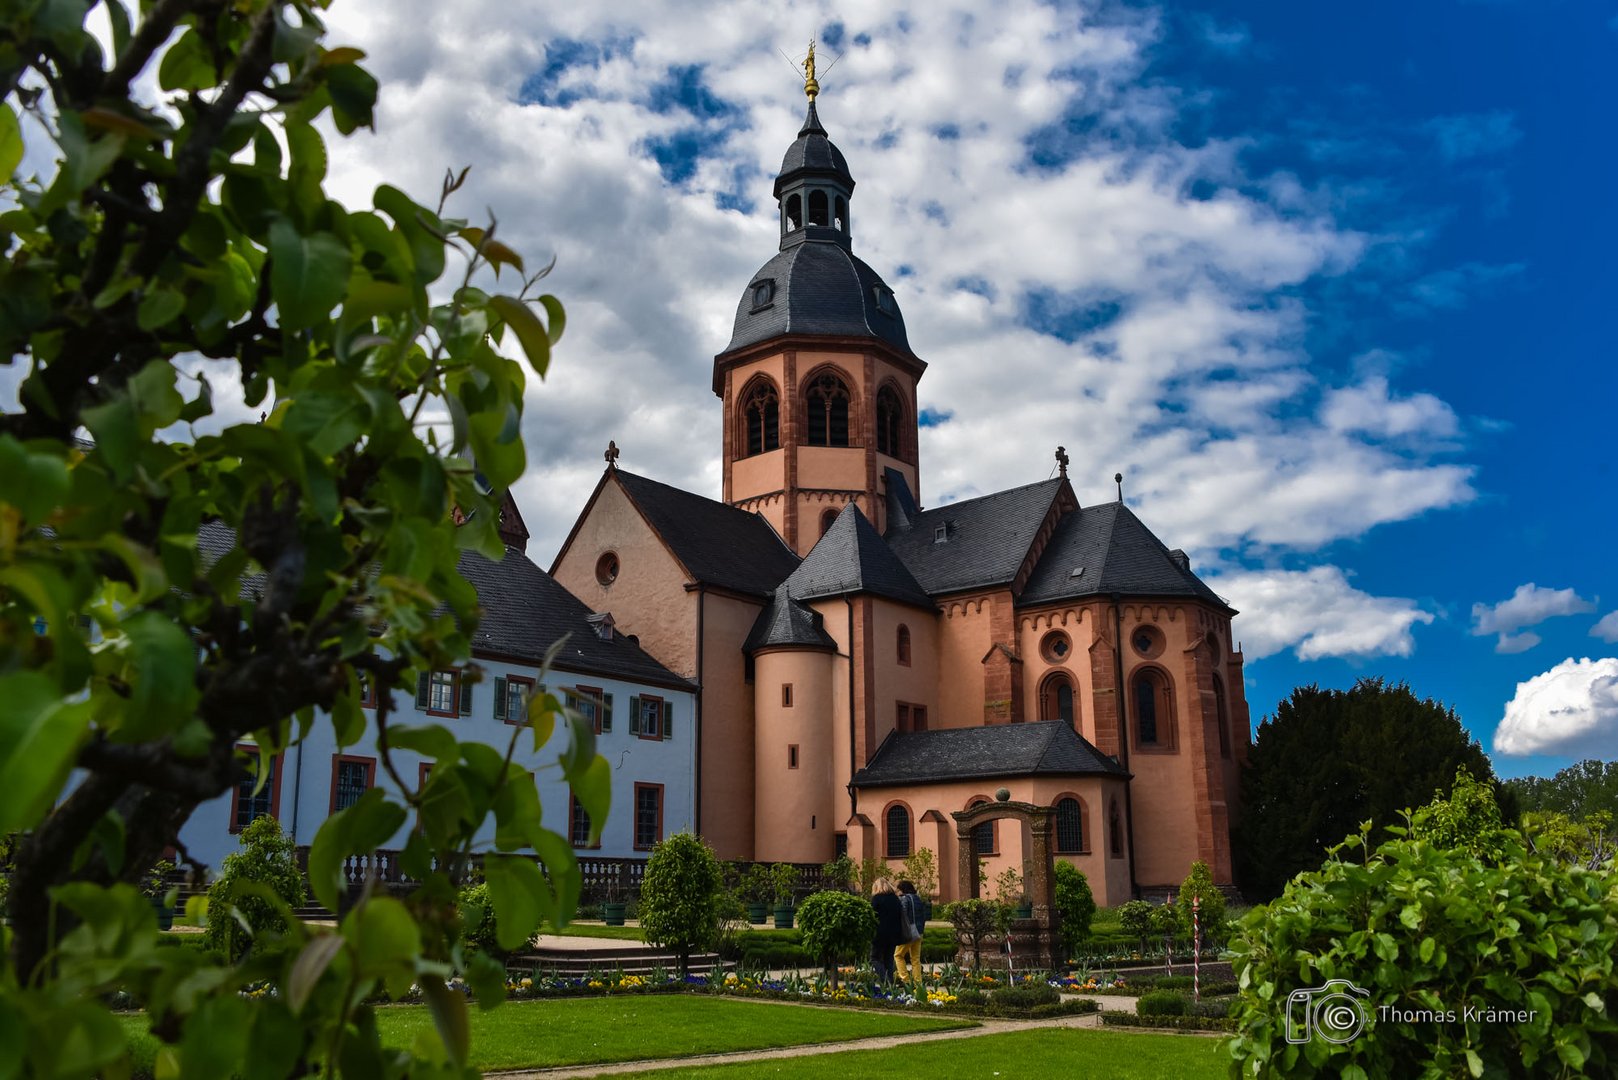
810 86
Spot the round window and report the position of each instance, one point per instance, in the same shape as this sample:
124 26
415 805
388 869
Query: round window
1147 641
1056 647
607 568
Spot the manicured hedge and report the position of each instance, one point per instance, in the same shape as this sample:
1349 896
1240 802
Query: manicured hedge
1172 1023
784 948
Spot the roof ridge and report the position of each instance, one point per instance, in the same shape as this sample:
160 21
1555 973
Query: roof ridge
990 495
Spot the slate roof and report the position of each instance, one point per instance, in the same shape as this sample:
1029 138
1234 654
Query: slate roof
820 288
986 539
721 545
1117 553
525 611
785 622
853 558
1050 748
813 154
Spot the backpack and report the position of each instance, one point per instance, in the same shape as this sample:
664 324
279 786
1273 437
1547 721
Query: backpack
910 916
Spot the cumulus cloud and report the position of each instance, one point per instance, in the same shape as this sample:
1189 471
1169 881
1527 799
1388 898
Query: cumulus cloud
1163 329
1607 628
1529 606
1317 613
1571 709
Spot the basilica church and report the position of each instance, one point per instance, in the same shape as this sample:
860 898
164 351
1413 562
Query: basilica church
866 666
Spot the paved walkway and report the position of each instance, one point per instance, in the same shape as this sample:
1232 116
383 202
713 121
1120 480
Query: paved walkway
986 1026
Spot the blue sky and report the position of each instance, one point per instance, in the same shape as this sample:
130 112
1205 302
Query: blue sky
1333 289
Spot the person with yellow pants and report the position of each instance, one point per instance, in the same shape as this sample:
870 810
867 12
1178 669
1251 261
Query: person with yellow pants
907 957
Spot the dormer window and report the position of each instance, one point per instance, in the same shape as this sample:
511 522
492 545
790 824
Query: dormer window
941 534
884 299
763 294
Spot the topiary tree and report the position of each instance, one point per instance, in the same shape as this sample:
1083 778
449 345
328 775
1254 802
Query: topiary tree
1075 905
975 921
242 917
480 924
1468 968
169 245
836 926
1211 910
1135 919
680 903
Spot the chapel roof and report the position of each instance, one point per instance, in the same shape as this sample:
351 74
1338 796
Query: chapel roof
524 611
786 623
1105 549
719 544
1048 748
851 557
985 539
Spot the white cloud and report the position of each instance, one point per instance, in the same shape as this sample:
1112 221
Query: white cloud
1198 388
1607 628
1571 709
1316 613
1529 606
1474 135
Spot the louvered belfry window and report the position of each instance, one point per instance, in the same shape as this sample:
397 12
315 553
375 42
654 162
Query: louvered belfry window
827 399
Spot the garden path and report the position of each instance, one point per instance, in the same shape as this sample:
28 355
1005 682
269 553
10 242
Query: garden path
987 1026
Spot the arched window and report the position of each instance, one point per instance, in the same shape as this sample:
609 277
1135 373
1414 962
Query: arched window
828 411
1154 716
904 645
898 823
818 213
889 421
1069 826
762 409
841 220
985 837
1115 832
794 212
1222 717
828 518
1057 700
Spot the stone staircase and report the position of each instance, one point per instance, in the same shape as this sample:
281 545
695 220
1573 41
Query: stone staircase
609 957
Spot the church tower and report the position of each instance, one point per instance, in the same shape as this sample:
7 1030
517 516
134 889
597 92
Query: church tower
818 381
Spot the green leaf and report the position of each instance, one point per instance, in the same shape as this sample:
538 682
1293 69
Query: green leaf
310 965
531 333
40 480
161 662
1474 1064
592 786
1427 947
186 66
386 941
326 422
40 734
156 400
521 898
159 308
275 1043
10 142
516 810
365 826
308 274
429 740
555 316
448 1010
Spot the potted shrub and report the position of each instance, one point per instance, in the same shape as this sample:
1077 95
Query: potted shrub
783 879
156 887
756 890
614 907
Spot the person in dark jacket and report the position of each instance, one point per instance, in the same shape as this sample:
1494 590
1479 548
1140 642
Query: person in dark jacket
889 930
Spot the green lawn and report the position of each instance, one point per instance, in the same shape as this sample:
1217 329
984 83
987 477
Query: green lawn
586 1031
1022 1055
598 930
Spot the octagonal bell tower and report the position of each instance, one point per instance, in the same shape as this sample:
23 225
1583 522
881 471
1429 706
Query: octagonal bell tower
818 381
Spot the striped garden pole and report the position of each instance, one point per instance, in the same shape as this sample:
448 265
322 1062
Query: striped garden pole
1196 947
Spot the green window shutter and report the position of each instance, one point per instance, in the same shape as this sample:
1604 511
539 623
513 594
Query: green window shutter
500 698
606 712
634 715
668 719
422 689
466 695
